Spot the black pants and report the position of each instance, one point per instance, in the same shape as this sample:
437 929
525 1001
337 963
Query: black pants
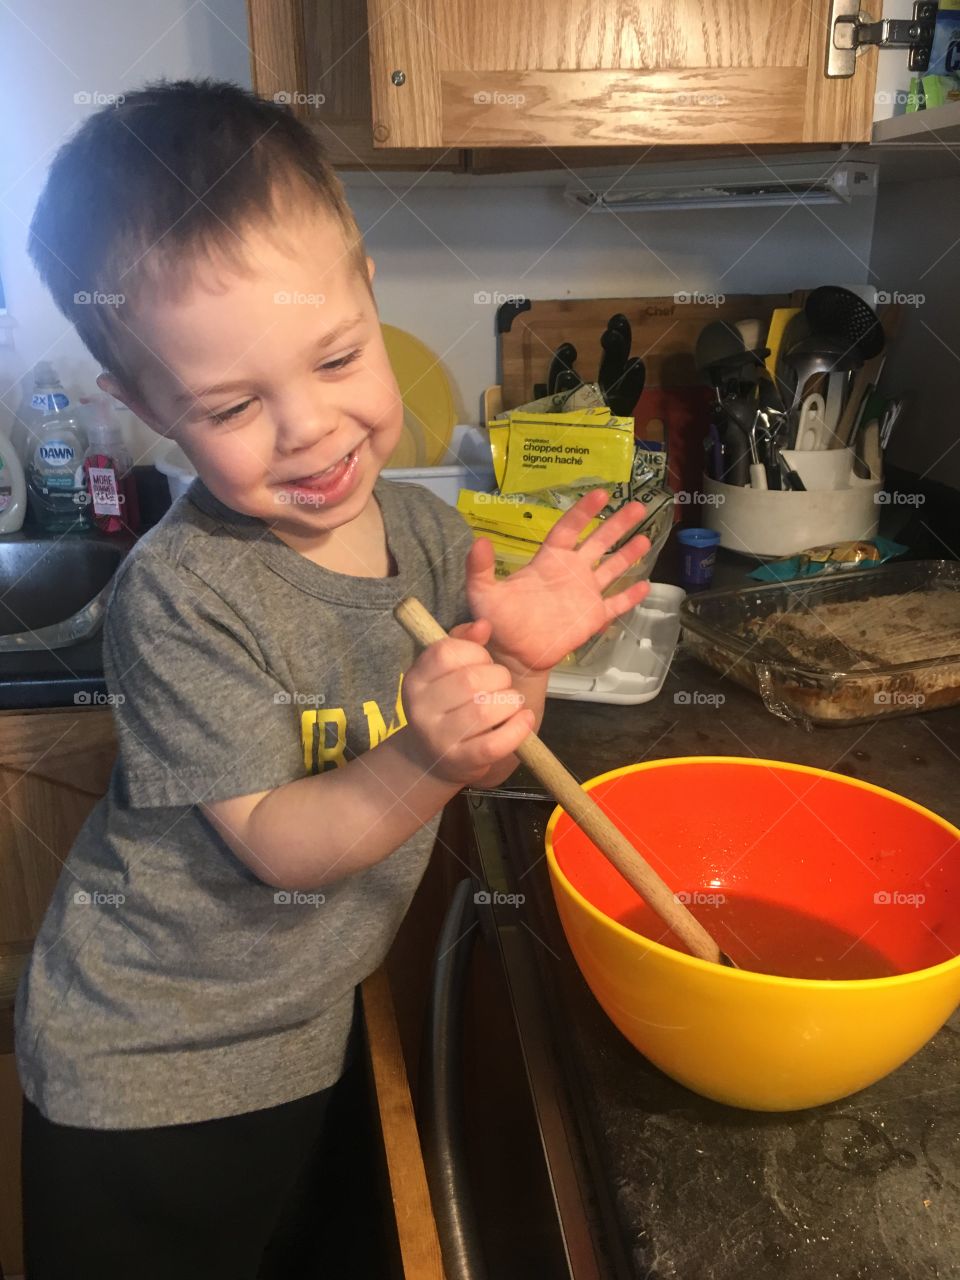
285 1193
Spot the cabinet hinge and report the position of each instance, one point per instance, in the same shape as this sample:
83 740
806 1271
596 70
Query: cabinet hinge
850 30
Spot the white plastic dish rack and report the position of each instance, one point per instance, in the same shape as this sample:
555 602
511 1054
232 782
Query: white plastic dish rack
630 661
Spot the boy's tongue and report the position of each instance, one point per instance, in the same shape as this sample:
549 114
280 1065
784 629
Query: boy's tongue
326 479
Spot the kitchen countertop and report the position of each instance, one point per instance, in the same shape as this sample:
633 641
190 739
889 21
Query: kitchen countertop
670 1185
49 678
59 678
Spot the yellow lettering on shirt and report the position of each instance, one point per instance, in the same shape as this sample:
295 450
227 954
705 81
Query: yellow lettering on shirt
315 734
323 731
375 723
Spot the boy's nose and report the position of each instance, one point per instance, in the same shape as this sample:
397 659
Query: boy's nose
299 431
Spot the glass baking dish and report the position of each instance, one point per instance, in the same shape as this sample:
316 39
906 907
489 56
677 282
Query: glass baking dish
831 649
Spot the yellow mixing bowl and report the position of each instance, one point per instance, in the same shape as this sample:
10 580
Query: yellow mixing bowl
809 848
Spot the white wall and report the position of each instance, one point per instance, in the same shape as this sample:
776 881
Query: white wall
435 246
893 74
49 52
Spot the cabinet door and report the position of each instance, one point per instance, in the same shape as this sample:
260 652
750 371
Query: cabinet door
54 766
601 73
315 53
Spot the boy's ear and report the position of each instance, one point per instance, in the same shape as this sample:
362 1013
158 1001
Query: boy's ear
371 268
108 383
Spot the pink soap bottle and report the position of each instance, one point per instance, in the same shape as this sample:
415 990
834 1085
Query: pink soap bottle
112 502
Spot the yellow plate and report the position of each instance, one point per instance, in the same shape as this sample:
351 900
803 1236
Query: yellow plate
428 411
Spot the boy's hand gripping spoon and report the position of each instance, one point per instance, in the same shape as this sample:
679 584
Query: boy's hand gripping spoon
419 623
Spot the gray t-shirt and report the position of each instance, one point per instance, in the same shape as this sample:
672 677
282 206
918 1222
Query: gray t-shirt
169 983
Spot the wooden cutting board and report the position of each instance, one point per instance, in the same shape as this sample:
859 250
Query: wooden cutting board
664 334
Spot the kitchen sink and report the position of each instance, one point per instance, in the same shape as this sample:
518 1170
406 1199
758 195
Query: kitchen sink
53 591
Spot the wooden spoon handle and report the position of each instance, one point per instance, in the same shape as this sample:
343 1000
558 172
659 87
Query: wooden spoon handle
563 786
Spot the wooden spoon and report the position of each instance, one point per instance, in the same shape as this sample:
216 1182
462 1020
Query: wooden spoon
609 839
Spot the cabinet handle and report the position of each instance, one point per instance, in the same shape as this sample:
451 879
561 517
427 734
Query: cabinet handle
440 1092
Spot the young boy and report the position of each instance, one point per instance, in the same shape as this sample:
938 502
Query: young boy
190 1001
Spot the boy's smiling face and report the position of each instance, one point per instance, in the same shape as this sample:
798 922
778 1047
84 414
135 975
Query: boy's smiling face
275 383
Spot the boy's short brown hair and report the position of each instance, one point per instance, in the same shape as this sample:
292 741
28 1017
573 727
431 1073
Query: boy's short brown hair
169 178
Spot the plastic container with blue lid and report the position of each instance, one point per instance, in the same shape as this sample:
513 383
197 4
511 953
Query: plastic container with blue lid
698 556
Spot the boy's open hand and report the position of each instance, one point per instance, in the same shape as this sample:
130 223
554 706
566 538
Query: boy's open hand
555 603
461 711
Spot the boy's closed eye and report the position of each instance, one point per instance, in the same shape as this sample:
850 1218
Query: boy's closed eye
331 366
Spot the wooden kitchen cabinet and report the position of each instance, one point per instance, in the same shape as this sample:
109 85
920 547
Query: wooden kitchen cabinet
316 54
54 766
416 1243
561 73
495 86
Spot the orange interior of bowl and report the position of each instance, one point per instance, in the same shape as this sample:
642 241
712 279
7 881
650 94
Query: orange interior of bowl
795 871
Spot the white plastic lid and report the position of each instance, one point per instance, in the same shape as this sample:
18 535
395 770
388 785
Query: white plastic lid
631 661
103 431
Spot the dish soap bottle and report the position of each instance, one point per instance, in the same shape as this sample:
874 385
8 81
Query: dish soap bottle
45 398
56 487
13 488
112 505
11 368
